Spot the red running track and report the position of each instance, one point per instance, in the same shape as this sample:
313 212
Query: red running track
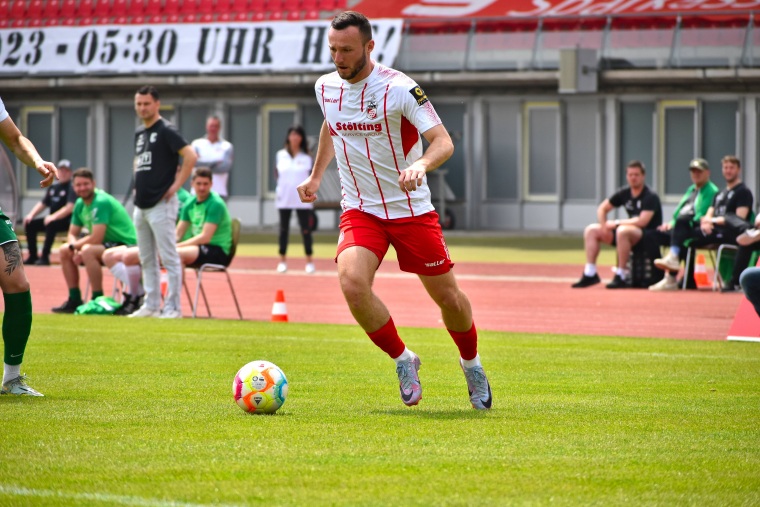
505 297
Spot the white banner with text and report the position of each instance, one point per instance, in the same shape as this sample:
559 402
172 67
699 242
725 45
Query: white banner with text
192 48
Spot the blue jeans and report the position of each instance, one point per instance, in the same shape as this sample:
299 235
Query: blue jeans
156 238
750 282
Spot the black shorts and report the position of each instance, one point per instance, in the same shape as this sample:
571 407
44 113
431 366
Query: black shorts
210 254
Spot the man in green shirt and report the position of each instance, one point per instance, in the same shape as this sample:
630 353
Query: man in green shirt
693 206
108 224
208 220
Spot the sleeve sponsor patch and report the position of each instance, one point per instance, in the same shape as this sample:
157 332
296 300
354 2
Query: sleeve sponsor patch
418 95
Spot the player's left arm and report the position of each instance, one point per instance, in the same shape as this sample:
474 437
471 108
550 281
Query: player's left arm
439 151
189 158
26 152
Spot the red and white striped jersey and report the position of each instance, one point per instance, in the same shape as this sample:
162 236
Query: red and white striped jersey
375 126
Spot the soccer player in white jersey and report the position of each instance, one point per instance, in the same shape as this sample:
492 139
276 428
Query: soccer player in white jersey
373 119
17 319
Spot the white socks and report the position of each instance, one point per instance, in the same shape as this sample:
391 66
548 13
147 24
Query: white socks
119 270
475 361
11 371
406 355
589 270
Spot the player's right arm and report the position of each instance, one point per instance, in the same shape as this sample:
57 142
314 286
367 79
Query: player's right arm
307 190
602 211
26 152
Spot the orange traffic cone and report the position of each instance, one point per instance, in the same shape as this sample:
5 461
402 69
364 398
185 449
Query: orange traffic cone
279 310
700 273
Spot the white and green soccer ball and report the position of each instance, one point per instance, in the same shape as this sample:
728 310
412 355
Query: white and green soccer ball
260 387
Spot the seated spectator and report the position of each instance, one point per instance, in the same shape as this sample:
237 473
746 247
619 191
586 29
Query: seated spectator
59 197
208 219
124 263
687 215
727 218
108 224
644 216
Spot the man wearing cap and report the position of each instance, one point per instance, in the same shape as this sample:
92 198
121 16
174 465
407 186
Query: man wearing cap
726 217
60 198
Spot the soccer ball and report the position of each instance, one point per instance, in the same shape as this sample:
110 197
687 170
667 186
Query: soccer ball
260 387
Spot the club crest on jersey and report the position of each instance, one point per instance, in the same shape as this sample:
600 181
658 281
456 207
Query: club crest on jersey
418 95
372 109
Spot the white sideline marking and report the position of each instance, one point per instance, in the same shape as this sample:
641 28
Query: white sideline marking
98 497
460 276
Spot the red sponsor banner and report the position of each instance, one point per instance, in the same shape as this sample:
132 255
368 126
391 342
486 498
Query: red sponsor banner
541 8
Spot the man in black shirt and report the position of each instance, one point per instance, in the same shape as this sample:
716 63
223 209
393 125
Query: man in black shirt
724 221
60 198
158 147
644 216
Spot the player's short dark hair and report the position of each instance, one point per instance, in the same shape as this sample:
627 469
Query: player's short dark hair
639 164
202 172
148 90
353 18
83 172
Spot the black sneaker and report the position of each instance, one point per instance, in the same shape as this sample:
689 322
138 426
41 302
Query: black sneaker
30 261
586 281
618 283
131 304
42 262
70 306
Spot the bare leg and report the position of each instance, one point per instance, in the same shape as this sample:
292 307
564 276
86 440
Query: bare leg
70 270
593 236
456 310
627 237
356 272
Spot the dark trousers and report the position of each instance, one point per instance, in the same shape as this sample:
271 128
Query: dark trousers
37 226
741 261
750 282
304 221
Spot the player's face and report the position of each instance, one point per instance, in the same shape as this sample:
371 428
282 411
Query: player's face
699 177
212 128
730 172
349 53
635 177
146 107
202 187
84 188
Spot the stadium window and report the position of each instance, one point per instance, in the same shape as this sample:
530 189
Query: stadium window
243 133
37 125
277 120
720 131
676 145
73 135
122 123
503 150
636 138
582 148
541 150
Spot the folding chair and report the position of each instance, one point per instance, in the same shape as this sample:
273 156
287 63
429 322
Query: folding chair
215 268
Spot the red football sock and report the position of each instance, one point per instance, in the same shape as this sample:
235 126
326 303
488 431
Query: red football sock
467 342
388 340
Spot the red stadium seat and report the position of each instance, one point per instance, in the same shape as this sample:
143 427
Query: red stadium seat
294 15
171 7
172 18
153 7
85 9
205 7
5 7
118 8
238 6
311 14
85 21
50 10
18 23
309 5
34 23
155 19
18 11
34 10
68 9
136 8
101 8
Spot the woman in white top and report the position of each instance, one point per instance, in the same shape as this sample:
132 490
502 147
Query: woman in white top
293 166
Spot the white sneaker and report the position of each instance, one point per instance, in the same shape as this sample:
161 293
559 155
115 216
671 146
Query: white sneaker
282 267
144 312
310 268
18 387
170 314
667 283
668 263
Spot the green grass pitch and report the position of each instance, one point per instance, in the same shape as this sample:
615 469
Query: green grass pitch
140 413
